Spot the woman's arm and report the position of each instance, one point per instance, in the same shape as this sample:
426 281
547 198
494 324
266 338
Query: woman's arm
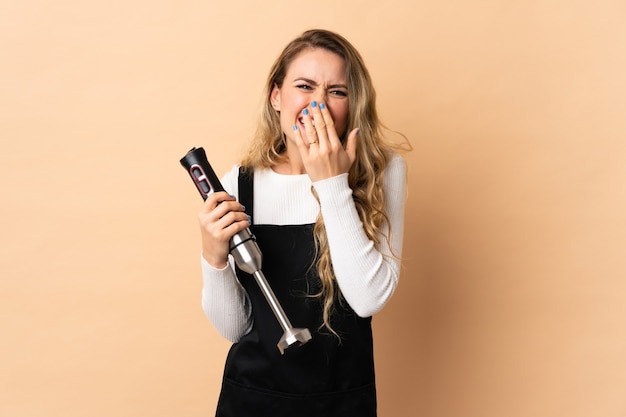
367 274
224 300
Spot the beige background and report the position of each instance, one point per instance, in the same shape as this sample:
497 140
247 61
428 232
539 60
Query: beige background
513 295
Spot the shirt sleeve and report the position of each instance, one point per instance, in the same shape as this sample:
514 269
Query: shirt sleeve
366 273
224 301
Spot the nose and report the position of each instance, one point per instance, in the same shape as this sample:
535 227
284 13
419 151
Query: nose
319 97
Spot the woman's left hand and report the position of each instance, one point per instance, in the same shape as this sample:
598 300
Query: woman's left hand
321 150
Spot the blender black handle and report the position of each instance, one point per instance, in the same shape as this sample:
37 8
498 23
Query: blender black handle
201 172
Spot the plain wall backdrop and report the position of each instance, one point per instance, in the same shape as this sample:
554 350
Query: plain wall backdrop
512 299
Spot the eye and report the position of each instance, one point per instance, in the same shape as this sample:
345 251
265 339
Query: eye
304 87
339 93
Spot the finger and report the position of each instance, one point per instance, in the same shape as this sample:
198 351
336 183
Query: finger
352 144
214 199
303 146
311 134
319 123
232 221
328 123
218 206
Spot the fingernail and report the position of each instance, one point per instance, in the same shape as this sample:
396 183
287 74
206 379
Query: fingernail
313 103
249 219
295 127
322 107
358 131
305 112
243 207
232 196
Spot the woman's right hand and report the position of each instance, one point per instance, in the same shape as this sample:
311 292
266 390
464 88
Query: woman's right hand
221 217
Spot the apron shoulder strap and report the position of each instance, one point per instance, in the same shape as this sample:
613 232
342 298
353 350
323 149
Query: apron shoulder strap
246 190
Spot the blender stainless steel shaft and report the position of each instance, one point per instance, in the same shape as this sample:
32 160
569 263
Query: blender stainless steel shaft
243 248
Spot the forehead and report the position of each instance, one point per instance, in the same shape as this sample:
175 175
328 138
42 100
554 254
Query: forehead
319 65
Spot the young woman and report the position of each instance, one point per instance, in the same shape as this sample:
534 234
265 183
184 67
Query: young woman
323 193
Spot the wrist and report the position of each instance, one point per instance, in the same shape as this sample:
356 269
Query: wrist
214 262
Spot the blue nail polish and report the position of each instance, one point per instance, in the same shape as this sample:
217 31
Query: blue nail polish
295 127
305 112
358 131
313 103
243 207
322 107
249 219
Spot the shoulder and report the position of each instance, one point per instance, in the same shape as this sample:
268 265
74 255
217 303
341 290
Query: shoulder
229 180
396 166
396 160
231 174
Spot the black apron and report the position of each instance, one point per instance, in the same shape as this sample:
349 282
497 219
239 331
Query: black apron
326 376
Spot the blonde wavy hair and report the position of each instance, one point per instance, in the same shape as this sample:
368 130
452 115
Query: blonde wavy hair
373 151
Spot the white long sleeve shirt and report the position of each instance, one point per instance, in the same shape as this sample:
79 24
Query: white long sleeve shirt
366 273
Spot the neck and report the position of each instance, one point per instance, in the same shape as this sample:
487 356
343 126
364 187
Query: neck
292 164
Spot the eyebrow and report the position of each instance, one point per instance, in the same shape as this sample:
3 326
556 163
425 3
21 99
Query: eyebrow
316 84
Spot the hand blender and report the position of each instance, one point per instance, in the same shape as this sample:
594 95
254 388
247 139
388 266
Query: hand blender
243 248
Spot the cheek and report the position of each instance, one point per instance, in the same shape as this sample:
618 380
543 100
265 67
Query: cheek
292 104
339 113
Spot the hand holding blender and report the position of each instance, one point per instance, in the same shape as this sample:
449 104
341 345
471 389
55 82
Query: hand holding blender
243 248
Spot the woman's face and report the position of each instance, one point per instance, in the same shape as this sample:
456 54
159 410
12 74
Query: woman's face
314 75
